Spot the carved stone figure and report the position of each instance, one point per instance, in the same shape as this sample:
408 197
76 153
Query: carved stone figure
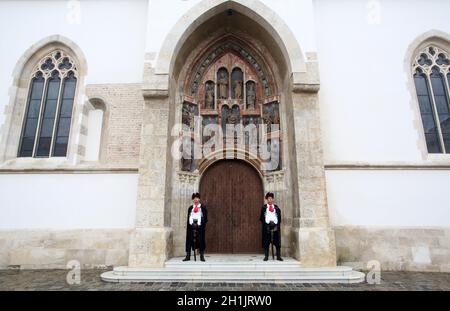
251 96
271 115
187 160
209 101
188 115
276 116
238 89
251 130
267 119
223 85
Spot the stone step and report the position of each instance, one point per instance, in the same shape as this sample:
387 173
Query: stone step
231 260
162 275
235 265
236 270
305 271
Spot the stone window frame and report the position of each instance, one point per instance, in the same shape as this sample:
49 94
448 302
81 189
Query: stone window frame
441 40
11 129
57 60
432 53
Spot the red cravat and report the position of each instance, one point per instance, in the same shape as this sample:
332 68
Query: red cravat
196 208
271 208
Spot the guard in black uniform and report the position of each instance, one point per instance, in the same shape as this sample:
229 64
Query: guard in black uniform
197 218
271 230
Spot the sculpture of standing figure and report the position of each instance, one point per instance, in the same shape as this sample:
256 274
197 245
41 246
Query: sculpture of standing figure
251 96
223 85
209 96
188 115
238 89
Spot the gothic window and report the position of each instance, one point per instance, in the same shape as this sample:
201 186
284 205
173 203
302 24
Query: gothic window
426 110
431 78
31 121
48 114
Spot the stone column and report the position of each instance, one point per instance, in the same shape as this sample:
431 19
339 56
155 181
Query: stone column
151 242
313 236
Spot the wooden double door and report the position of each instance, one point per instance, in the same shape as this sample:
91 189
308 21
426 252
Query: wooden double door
233 193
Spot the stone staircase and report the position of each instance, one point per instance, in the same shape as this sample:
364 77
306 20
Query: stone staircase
234 269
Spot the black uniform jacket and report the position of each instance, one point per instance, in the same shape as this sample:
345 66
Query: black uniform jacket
265 232
200 239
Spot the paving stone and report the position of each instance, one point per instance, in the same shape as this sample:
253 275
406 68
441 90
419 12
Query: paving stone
55 280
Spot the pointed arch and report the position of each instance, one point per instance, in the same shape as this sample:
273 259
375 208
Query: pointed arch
429 100
22 81
45 45
206 9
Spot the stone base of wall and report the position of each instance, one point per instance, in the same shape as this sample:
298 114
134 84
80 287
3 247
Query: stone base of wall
53 249
396 249
150 247
315 247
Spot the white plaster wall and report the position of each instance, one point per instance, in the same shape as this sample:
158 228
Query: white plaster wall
389 198
365 103
111 35
67 201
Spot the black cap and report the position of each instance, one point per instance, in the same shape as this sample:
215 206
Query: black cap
269 195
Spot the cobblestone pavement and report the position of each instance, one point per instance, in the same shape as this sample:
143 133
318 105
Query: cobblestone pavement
51 280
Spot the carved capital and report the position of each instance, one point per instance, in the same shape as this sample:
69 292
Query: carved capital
148 93
187 178
305 88
157 86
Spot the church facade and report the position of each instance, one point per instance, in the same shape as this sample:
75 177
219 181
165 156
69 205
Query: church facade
114 113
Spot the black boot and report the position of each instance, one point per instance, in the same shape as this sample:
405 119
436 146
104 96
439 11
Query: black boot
279 255
188 257
266 254
202 257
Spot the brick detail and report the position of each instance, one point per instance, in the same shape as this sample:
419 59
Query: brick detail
125 103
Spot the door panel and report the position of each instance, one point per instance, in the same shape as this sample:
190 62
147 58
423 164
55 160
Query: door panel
233 192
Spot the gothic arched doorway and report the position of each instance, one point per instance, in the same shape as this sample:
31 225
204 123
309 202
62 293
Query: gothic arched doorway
234 194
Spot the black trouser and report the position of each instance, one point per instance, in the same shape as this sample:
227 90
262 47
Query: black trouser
201 253
278 252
